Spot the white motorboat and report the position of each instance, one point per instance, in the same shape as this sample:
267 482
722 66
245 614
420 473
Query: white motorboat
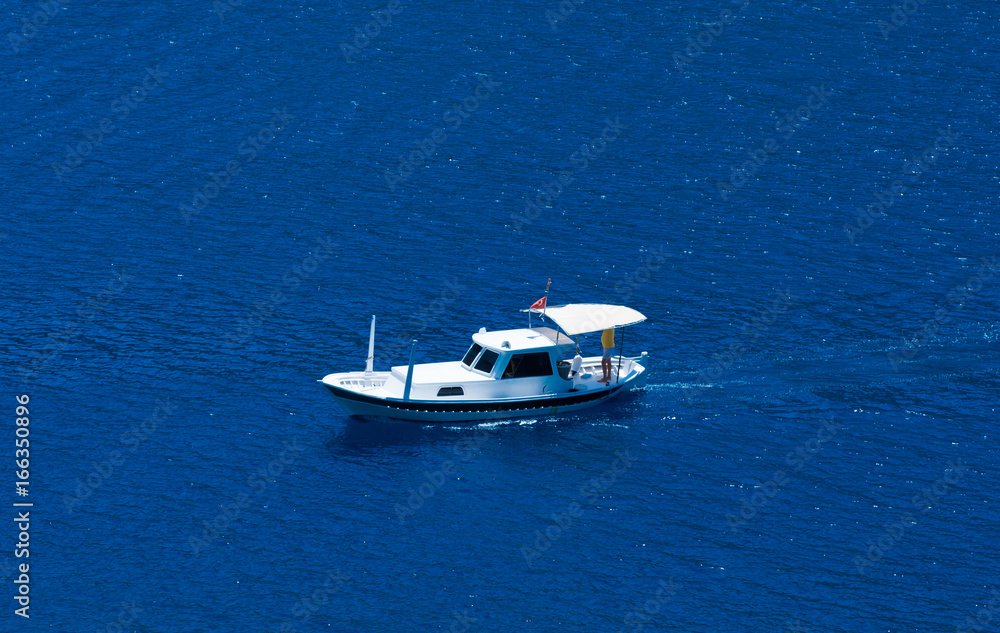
505 374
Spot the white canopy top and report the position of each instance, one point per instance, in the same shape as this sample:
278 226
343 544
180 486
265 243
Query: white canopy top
581 318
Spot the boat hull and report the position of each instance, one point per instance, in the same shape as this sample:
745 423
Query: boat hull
359 405
379 394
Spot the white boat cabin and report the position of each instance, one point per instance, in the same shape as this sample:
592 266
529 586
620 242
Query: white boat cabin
502 364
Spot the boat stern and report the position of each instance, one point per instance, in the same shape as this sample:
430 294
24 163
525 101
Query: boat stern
642 366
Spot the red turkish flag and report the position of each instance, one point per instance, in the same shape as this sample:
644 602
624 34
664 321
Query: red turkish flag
538 305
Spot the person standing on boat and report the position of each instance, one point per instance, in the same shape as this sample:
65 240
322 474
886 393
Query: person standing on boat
608 343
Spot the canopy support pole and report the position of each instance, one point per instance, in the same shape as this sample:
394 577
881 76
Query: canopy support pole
621 347
409 371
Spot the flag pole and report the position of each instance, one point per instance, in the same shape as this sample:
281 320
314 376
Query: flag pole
545 306
544 300
545 303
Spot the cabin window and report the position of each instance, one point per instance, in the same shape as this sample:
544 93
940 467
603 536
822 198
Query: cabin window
472 353
528 365
451 391
487 360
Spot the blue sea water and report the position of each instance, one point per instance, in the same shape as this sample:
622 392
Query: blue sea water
206 202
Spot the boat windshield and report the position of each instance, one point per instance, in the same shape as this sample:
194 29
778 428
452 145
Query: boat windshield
472 353
487 360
